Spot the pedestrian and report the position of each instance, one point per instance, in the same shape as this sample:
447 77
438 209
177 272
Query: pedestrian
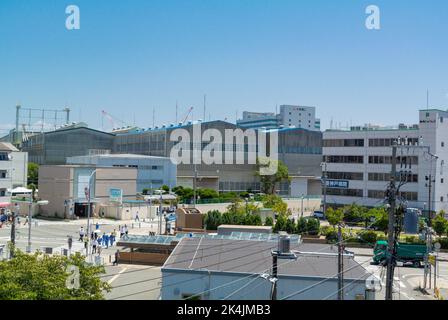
117 257
113 235
121 231
81 234
99 250
86 241
137 219
97 226
94 245
126 229
106 240
100 241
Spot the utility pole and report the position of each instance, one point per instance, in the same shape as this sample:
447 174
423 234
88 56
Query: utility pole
392 193
274 275
160 213
195 184
13 235
340 264
30 207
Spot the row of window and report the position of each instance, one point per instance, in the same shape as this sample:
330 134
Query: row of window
345 175
410 160
372 176
343 143
374 194
4 156
377 142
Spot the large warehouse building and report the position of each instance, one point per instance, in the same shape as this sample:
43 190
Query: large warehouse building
300 149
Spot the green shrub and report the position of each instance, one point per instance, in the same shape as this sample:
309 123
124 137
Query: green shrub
301 226
269 221
212 220
443 242
280 224
290 226
313 226
331 236
368 237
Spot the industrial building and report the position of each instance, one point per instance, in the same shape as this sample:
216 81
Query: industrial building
241 268
300 149
289 116
152 172
65 188
358 162
54 147
13 170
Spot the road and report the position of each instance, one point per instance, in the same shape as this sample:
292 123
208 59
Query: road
407 280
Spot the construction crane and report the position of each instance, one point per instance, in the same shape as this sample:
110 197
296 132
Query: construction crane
113 120
188 114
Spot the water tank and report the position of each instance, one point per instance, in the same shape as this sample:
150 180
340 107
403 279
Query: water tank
410 220
284 244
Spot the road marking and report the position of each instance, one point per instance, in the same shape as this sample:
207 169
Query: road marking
117 275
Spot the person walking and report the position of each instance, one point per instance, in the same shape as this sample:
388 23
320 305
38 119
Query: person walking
121 231
81 234
117 257
106 240
126 229
137 218
94 245
113 236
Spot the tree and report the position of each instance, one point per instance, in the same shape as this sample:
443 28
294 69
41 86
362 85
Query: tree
382 220
280 224
208 193
269 221
270 182
313 226
44 277
301 225
33 173
440 224
334 217
290 226
275 203
354 213
165 188
212 220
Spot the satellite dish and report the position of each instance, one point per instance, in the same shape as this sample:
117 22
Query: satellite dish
373 283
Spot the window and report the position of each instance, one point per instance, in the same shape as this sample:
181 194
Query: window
441 180
345 159
345 192
441 199
441 119
2 192
3 174
345 175
443 144
343 143
376 194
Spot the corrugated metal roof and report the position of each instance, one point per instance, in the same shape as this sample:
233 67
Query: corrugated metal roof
245 256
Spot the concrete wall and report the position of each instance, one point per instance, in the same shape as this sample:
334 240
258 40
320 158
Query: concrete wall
55 185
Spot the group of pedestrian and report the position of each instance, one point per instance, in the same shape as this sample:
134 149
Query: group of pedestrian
98 241
123 230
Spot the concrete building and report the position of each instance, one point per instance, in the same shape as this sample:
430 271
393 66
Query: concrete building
236 268
252 120
13 170
289 116
152 172
359 162
300 117
64 187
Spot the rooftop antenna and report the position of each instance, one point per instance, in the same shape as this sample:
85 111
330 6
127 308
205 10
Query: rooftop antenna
153 117
205 99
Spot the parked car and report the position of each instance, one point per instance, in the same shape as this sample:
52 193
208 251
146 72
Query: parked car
319 214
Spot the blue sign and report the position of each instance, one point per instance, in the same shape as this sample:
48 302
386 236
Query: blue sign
343 184
115 195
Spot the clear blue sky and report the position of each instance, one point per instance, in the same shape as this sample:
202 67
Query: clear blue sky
131 56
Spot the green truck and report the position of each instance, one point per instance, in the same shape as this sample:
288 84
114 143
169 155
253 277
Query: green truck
406 253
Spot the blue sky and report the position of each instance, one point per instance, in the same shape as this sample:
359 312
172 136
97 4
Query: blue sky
132 56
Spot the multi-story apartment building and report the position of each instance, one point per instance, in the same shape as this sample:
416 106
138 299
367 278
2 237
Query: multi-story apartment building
358 162
13 170
268 120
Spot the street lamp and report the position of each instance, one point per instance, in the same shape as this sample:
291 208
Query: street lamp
87 191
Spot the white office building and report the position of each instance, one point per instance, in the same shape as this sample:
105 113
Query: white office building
358 162
152 172
289 116
299 117
13 170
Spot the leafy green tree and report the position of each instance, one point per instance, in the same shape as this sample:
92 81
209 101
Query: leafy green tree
44 277
165 188
269 221
270 182
301 225
334 217
313 226
207 193
354 213
382 220
440 224
280 224
212 220
33 173
290 226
